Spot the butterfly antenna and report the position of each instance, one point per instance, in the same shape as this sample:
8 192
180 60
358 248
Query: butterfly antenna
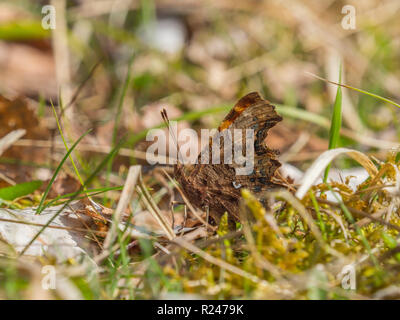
165 118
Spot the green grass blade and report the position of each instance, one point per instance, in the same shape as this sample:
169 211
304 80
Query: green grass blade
302 114
40 207
63 139
19 190
94 174
320 221
376 96
334 132
85 193
23 30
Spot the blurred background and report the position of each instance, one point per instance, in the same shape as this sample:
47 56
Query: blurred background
116 63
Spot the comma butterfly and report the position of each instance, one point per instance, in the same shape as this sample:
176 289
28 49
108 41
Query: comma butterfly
217 186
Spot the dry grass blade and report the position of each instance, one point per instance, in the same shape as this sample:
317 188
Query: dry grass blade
98 148
324 159
52 227
9 139
61 55
127 192
155 211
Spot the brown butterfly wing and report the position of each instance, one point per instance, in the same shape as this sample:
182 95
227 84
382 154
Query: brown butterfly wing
217 186
260 116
